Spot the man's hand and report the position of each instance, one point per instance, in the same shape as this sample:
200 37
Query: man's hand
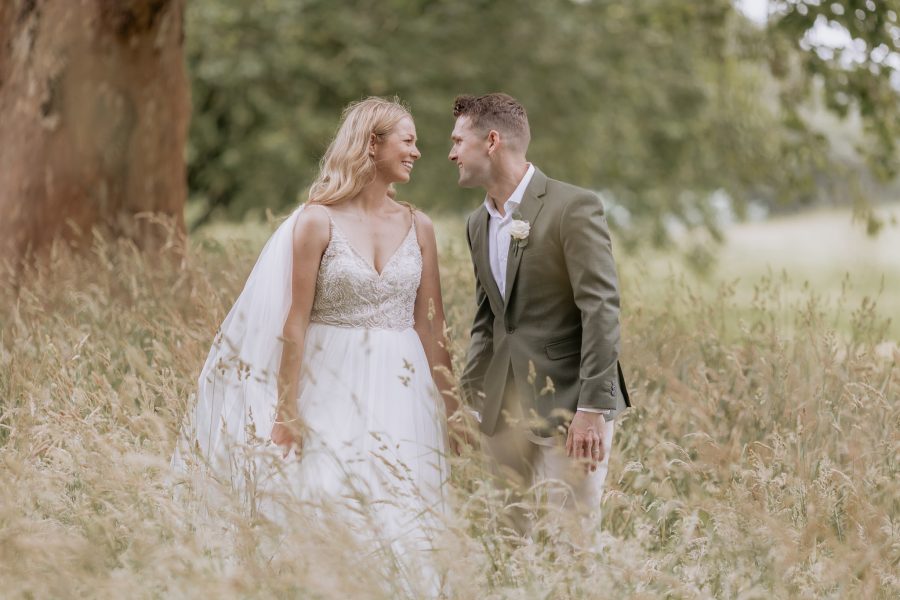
585 439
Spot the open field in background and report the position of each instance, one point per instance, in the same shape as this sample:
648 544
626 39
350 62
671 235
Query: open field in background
821 252
761 458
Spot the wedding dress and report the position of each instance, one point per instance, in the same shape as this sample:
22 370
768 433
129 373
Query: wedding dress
376 437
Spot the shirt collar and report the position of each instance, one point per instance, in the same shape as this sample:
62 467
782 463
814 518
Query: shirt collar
515 199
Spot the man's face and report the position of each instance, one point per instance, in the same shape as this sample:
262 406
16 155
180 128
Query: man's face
470 153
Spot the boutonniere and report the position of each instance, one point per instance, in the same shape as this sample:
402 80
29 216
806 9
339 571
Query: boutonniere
519 230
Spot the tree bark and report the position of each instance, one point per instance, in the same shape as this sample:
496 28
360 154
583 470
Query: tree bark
94 109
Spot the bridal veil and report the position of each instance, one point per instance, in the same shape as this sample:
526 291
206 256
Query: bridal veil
226 432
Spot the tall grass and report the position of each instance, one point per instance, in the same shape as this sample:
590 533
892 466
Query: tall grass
760 460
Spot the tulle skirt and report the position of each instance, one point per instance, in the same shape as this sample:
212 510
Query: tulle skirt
374 454
376 440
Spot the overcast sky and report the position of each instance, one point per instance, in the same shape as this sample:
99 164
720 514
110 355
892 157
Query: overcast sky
826 36
823 34
755 9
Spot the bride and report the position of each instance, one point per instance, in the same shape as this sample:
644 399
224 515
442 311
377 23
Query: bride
334 352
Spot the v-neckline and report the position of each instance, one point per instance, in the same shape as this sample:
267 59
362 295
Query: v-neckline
356 253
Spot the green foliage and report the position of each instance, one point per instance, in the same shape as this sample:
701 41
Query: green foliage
658 103
862 76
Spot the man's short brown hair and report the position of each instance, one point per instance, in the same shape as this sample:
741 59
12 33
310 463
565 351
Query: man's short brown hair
500 112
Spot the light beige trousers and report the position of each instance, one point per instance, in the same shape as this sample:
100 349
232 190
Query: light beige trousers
544 481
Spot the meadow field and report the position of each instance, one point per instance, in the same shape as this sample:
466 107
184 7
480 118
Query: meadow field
760 459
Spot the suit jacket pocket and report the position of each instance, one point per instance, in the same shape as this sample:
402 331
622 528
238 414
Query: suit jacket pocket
563 348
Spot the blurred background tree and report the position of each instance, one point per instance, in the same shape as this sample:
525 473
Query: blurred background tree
849 63
660 104
94 113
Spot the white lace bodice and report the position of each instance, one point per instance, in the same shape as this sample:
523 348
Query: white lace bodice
350 293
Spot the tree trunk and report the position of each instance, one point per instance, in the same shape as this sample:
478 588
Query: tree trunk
94 108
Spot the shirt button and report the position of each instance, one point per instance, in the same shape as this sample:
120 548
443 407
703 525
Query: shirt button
510 329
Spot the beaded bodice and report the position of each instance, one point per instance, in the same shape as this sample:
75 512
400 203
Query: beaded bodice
351 293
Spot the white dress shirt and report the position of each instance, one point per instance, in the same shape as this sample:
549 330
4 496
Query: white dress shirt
498 240
498 230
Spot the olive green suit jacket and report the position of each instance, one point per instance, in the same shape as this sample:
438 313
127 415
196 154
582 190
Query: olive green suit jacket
555 335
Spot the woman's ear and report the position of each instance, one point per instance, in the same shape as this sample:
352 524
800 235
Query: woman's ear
373 139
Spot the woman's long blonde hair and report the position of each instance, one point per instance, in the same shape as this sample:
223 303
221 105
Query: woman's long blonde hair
347 167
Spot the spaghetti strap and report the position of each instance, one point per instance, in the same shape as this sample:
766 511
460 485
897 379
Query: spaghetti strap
414 226
325 208
409 207
331 223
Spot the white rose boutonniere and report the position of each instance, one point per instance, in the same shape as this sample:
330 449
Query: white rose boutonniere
519 230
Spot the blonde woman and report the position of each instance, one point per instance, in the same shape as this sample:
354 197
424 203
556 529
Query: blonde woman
330 351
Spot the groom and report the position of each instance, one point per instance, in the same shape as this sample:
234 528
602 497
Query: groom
543 362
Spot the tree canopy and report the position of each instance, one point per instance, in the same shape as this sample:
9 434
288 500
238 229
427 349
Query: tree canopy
656 103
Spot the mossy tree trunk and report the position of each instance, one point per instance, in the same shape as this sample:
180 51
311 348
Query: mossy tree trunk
94 109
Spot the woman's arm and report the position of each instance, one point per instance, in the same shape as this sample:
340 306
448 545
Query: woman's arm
429 314
311 235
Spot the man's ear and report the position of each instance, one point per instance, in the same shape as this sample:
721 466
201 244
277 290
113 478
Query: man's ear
493 140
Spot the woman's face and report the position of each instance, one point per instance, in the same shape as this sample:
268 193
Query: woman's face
396 152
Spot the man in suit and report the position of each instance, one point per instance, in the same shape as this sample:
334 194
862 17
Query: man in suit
542 369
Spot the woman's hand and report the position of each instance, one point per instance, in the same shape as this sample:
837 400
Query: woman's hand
463 429
288 435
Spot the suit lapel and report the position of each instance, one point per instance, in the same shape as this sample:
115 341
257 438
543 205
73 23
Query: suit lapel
482 259
528 210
